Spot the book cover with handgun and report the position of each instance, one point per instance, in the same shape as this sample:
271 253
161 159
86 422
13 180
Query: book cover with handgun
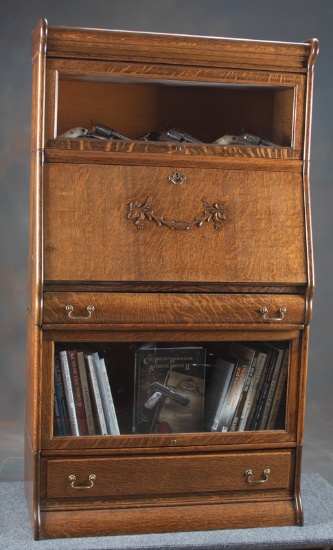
169 389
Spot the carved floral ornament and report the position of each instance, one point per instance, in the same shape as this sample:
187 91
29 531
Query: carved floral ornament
143 213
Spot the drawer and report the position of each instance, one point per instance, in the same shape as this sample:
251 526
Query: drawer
168 476
173 224
165 309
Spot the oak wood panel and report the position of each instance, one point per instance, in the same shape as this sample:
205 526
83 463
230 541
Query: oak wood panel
133 153
35 274
166 476
88 235
168 48
33 383
90 150
172 309
230 515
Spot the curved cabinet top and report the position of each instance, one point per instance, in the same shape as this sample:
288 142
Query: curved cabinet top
103 44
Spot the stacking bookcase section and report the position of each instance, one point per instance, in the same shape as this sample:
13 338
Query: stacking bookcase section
170 282
176 388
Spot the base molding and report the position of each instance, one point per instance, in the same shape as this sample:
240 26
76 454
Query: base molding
104 522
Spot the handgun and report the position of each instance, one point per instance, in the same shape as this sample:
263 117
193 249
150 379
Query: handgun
104 132
161 392
170 134
179 135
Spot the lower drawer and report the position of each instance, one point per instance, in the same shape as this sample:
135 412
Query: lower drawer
146 477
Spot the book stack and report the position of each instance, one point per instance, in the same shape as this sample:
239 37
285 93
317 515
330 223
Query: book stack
83 403
247 389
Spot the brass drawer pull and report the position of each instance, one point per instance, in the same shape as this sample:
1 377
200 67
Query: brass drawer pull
249 475
177 178
70 310
91 478
282 311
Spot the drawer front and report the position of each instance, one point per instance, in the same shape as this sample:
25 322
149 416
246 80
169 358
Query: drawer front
173 309
144 223
167 476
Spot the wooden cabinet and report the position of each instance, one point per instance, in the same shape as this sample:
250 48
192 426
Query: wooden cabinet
187 243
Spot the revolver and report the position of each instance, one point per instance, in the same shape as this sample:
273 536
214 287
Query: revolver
179 135
161 392
104 132
170 134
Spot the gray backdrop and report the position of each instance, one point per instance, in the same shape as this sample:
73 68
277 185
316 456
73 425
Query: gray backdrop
287 20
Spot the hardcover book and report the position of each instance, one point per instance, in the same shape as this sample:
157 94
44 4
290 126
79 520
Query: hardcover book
65 369
169 389
59 394
216 392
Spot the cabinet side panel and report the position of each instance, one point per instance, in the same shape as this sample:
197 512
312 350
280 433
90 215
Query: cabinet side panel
32 382
37 143
35 267
32 446
31 485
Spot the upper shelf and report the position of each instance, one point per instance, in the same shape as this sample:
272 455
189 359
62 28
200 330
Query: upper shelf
141 83
207 111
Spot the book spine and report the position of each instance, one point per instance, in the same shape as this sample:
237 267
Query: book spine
241 403
97 395
225 387
251 393
56 416
59 426
105 391
60 384
279 391
86 393
255 404
69 392
271 391
234 394
77 392
264 393
109 399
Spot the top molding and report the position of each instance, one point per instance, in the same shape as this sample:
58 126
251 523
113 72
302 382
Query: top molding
111 45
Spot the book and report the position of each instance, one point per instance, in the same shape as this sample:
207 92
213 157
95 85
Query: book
77 392
153 367
216 392
69 392
234 393
59 385
97 400
59 425
86 393
272 383
106 396
257 395
257 419
242 351
280 388
259 363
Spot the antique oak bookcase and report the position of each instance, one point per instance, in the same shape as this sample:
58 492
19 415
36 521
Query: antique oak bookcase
174 243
